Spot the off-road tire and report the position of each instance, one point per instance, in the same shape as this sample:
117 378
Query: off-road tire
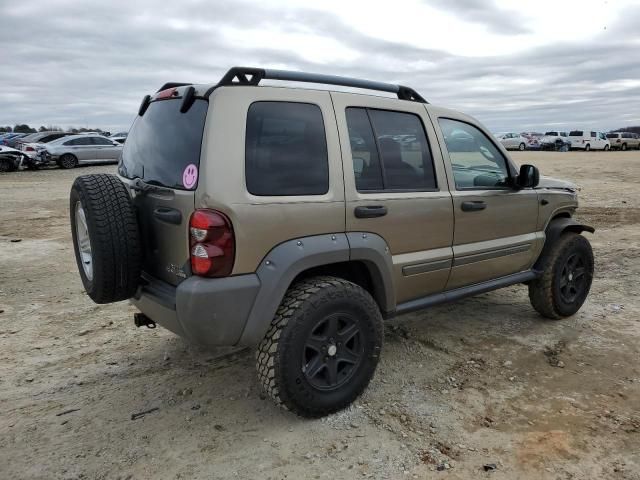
113 232
68 161
279 358
544 292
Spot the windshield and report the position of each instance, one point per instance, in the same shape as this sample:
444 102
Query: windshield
164 142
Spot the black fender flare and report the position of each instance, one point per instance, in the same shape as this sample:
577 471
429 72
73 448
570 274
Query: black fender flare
554 230
285 262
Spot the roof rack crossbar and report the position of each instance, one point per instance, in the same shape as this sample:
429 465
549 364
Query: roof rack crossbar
253 76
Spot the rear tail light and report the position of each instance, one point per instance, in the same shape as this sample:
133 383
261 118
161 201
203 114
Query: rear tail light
29 149
211 243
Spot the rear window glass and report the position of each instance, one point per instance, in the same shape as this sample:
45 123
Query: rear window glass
163 142
286 149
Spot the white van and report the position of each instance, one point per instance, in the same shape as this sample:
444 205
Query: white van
585 140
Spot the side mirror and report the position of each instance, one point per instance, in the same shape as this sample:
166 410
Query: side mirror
529 177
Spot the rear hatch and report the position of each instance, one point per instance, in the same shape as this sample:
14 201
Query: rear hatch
161 158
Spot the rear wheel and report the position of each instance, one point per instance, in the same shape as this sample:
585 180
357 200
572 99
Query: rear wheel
7 165
68 161
606 148
105 237
566 278
623 147
322 348
521 147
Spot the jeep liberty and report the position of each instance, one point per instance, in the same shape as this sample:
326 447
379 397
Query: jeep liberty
296 220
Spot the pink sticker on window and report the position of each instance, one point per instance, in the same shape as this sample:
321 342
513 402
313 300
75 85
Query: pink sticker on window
190 176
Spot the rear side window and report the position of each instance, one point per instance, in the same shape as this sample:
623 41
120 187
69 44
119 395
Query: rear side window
286 149
390 151
79 141
593 134
101 141
164 142
613 135
575 133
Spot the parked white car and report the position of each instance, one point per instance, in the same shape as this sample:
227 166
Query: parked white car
512 141
588 140
555 140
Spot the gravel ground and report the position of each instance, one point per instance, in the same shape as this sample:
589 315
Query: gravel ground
482 381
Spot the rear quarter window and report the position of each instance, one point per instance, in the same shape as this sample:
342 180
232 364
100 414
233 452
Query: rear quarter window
286 150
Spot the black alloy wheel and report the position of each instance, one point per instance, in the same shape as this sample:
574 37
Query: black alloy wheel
572 278
332 352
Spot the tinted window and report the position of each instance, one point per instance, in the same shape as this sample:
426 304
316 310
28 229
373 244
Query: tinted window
575 133
552 134
476 161
364 152
593 134
163 142
101 141
286 149
613 135
79 141
627 135
399 140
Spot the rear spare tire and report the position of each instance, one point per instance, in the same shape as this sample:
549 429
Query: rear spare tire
106 239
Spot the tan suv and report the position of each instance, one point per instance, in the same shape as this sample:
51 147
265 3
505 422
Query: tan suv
624 140
296 220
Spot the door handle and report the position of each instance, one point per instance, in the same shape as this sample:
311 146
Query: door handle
473 206
168 215
370 211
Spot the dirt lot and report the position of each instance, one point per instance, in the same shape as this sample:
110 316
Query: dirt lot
482 381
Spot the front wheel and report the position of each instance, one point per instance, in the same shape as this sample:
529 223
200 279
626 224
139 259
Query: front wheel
566 278
521 147
623 147
587 148
606 148
322 347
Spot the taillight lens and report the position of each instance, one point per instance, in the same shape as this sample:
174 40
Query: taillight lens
211 243
29 149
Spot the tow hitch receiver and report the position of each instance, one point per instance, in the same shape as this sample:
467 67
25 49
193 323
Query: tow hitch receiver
140 319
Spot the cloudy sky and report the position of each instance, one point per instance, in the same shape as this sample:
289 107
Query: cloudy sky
515 65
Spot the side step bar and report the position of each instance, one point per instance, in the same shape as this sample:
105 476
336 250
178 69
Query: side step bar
458 293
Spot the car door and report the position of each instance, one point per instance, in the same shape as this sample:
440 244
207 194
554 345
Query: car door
495 229
395 187
81 147
104 149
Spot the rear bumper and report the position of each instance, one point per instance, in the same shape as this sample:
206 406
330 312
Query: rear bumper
207 311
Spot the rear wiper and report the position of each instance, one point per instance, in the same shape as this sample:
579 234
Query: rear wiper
141 186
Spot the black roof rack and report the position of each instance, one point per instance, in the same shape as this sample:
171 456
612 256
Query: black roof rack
253 76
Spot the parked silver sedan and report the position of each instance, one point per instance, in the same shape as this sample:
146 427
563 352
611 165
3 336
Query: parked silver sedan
512 141
68 152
